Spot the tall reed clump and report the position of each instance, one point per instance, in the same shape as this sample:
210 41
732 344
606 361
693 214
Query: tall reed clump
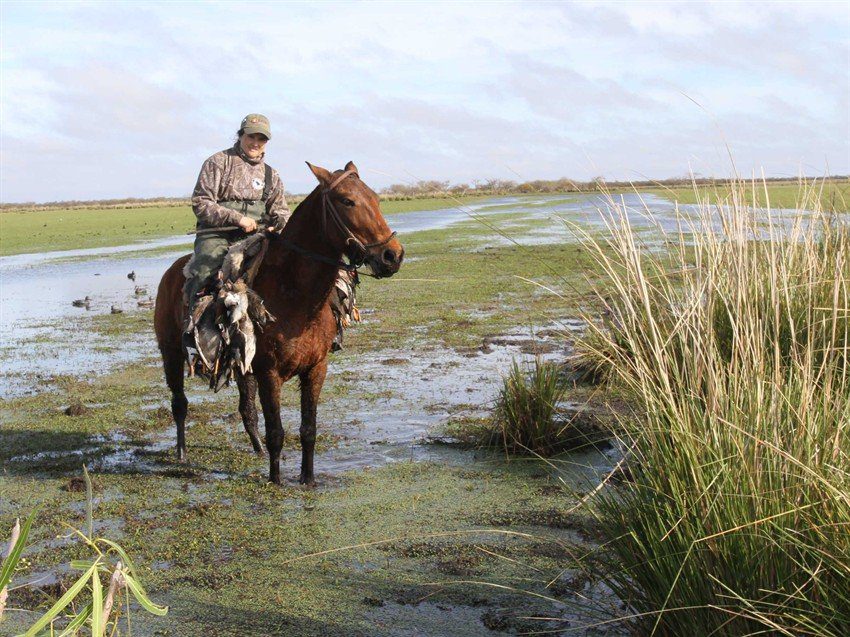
732 335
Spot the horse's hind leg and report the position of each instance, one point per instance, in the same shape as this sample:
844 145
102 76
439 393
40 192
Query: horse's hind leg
248 409
311 387
269 385
172 361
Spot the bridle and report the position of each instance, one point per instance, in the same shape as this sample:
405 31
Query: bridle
329 211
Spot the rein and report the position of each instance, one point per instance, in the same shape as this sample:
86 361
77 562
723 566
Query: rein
329 210
342 265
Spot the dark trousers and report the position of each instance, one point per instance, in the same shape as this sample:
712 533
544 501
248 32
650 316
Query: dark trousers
210 248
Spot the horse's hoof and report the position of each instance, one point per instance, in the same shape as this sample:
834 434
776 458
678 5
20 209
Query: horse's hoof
307 481
260 453
181 455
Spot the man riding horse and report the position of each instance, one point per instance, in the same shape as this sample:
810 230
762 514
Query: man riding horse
236 194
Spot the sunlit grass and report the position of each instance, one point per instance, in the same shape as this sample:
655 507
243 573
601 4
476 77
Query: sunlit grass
734 344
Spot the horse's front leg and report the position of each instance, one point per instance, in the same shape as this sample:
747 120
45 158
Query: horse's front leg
311 387
269 385
248 409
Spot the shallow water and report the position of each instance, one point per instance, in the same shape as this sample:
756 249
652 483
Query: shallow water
42 286
37 290
428 387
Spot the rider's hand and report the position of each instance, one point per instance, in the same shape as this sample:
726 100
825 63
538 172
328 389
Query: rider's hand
247 224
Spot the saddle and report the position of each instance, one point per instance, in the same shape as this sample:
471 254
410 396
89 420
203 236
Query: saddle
220 338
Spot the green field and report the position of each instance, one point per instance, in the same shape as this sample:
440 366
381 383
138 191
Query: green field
832 196
49 230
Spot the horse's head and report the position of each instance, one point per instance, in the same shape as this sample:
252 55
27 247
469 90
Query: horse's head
352 221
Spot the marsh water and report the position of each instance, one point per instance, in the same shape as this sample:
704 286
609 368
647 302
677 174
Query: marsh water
39 288
37 291
394 400
43 334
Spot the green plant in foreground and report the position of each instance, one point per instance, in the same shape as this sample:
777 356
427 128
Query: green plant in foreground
96 613
734 343
526 413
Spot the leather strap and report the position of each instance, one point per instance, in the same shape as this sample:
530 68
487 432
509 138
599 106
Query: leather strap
329 209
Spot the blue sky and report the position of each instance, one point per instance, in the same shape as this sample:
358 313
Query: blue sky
102 100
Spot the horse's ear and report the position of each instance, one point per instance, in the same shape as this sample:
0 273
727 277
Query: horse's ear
321 174
350 166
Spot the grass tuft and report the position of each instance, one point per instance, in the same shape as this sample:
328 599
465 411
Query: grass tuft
526 412
732 336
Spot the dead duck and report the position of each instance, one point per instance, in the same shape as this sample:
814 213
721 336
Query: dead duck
82 302
116 310
149 302
241 328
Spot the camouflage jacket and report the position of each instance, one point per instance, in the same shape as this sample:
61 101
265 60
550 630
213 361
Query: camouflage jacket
230 176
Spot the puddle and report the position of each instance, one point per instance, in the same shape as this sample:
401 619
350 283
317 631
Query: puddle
396 428
424 391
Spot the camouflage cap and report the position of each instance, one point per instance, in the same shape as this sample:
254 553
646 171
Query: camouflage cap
256 123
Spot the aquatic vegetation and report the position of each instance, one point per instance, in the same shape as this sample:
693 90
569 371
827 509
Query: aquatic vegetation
85 603
734 344
526 412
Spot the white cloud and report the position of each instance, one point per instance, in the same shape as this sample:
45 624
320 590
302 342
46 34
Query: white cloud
120 100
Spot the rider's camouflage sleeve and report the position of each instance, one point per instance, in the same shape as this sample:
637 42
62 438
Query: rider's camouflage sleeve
207 193
276 207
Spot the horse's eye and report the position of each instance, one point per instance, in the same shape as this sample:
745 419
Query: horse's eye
347 202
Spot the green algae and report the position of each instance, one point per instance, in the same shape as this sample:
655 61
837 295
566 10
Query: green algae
242 555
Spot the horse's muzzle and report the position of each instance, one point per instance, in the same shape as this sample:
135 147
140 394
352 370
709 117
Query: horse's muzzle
387 261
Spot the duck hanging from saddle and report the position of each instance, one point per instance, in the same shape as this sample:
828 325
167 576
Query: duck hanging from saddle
220 338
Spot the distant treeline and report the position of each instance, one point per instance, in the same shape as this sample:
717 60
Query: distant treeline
506 186
433 188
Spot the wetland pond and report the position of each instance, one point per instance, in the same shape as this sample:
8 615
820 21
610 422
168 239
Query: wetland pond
447 539
40 329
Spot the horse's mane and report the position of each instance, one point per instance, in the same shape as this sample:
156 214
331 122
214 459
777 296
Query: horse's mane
297 214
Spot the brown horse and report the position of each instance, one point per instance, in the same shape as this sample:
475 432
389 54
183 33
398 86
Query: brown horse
342 216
